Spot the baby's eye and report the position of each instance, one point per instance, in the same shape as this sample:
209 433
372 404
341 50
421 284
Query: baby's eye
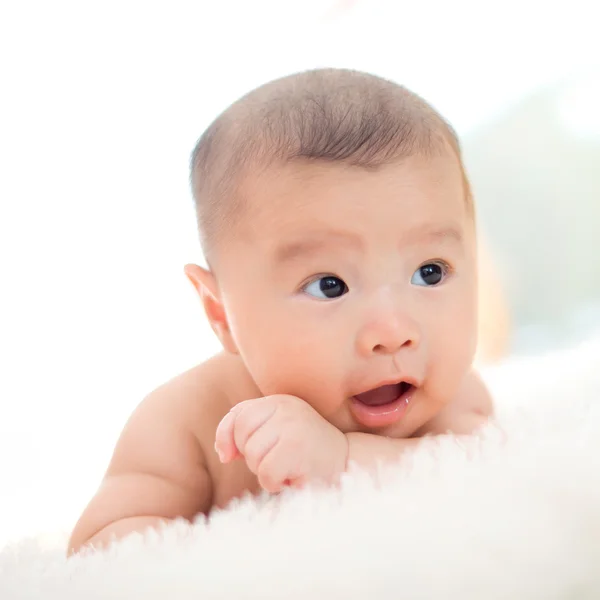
326 288
430 274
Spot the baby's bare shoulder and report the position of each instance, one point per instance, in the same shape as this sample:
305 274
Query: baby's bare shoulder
471 408
158 469
200 397
161 465
191 393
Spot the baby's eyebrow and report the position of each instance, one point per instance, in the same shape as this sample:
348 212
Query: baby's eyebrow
315 242
312 243
434 235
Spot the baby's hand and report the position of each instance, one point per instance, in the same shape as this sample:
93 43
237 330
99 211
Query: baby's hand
284 442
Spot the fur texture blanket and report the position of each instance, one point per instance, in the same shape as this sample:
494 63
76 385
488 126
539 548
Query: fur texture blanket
514 514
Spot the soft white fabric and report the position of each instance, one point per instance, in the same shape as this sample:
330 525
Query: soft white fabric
514 515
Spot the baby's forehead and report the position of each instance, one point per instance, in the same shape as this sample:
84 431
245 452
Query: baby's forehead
295 185
324 204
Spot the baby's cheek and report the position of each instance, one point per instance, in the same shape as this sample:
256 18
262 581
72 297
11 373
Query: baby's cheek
312 376
449 366
460 333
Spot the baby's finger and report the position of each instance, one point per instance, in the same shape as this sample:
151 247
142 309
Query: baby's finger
251 416
277 470
224 440
259 444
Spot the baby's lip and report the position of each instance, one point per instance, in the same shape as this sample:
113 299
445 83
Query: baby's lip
385 382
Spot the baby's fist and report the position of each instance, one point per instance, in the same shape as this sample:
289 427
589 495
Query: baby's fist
284 442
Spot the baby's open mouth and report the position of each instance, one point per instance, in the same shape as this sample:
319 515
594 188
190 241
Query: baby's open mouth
383 405
385 394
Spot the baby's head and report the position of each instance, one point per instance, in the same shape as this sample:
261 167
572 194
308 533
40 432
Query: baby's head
338 225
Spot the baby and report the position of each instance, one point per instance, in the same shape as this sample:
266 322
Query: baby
338 225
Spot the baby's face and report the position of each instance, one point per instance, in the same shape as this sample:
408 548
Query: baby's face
339 280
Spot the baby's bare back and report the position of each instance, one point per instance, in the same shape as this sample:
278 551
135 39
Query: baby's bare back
164 465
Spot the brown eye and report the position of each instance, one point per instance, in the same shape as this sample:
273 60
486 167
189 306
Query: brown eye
327 288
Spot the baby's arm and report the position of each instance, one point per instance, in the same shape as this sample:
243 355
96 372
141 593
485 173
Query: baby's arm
157 473
471 409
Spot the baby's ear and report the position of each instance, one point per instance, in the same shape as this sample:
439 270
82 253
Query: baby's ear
206 285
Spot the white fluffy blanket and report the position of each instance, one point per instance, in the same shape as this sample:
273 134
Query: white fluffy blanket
515 517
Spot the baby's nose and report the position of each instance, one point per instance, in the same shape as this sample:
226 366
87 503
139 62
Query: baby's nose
387 332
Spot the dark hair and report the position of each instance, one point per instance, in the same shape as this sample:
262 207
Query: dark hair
334 115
